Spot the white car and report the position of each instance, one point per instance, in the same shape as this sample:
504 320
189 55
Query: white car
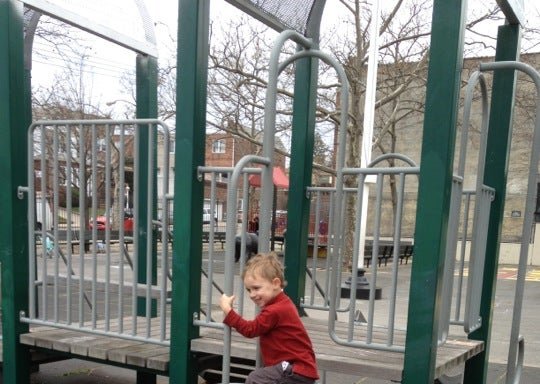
206 216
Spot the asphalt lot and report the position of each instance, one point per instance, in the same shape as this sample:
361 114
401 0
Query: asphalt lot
83 372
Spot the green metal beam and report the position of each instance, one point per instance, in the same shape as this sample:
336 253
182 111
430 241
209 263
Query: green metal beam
303 137
14 120
497 158
146 91
434 190
192 64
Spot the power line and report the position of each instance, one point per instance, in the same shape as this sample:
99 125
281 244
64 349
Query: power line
71 58
83 70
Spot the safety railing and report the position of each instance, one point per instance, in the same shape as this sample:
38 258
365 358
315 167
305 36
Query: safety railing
516 350
381 206
238 236
102 173
467 314
320 225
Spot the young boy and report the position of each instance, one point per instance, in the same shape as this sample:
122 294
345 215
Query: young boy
286 349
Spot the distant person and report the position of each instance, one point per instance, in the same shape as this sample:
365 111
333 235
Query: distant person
256 224
286 349
252 245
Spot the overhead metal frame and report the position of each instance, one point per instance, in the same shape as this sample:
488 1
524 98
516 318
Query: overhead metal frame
16 34
147 47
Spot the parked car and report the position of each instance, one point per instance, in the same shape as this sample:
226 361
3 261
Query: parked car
101 223
207 215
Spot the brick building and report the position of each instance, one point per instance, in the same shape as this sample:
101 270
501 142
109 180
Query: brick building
225 150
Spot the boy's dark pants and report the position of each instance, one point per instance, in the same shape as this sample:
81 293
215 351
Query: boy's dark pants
276 375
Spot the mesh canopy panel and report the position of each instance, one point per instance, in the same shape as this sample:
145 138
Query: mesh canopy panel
299 15
122 20
28 14
293 13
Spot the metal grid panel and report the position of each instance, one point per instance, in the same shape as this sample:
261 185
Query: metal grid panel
86 249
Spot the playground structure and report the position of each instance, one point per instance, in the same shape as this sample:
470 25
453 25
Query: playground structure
169 331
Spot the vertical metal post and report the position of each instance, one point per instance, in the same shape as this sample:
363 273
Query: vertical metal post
303 134
497 158
192 64
146 91
434 190
14 119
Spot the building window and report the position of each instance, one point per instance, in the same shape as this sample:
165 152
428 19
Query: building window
172 146
101 145
218 146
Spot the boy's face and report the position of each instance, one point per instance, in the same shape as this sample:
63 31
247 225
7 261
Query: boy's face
261 290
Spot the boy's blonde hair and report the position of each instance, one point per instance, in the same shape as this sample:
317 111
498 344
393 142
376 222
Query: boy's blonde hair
265 265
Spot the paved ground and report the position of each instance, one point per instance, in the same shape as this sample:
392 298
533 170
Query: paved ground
83 372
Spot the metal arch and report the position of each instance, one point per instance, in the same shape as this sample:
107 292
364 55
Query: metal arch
517 344
313 26
396 156
147 47
484 196
29 38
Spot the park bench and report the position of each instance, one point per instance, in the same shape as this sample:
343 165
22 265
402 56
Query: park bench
386 253
219 237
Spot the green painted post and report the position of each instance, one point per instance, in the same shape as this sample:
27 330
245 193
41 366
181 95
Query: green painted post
303 128
146 91
192 73
13 163
434 190
497 157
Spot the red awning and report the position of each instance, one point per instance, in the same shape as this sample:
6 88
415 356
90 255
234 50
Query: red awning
280 179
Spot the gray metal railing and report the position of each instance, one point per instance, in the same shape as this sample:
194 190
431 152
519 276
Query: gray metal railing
362 335
469 316
517 342
83 166
214 286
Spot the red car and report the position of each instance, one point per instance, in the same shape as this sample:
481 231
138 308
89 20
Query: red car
101 223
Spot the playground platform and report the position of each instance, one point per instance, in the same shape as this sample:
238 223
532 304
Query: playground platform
353 364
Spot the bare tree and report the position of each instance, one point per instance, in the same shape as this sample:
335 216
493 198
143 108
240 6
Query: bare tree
69 97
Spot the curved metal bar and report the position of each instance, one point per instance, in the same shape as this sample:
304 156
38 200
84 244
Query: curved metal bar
397 156
266 199
455 204
314 22
337 227
528 220
29 39
230 233
476 78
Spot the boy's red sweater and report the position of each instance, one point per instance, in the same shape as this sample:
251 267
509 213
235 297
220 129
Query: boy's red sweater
281 334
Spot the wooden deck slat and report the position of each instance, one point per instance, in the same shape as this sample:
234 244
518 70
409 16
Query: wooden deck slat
158 362
355 361
101 351
141 355
361 362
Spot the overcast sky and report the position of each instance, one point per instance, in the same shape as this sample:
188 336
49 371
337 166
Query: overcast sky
106 62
